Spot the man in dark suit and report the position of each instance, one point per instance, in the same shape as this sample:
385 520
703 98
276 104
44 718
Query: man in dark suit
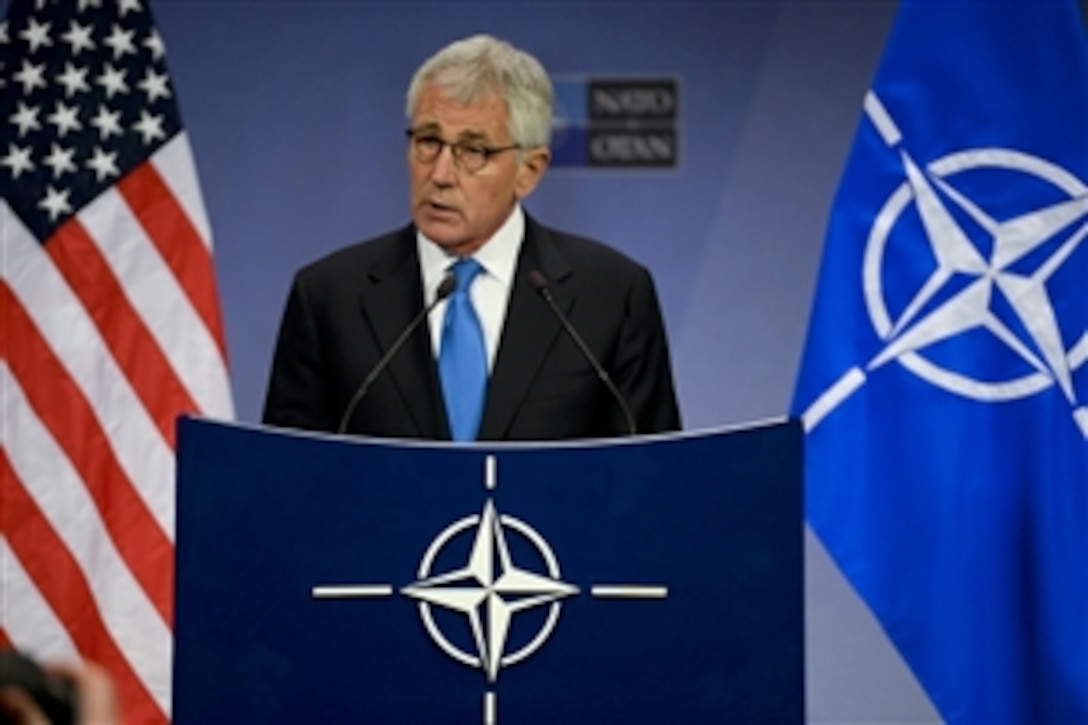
480 113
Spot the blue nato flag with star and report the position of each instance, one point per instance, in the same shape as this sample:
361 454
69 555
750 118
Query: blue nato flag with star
944 387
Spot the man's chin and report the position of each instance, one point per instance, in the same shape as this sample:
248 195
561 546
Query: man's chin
449 237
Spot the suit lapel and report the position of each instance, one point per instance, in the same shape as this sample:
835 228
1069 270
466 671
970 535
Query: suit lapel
390 298
528 332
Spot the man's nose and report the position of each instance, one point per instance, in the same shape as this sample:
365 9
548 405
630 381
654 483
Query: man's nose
444 171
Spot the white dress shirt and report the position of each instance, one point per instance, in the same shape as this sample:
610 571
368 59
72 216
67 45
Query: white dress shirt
490 290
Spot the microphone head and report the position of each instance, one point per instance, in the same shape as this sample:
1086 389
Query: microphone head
445 287
538 280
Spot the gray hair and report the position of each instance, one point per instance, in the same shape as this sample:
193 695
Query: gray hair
467 69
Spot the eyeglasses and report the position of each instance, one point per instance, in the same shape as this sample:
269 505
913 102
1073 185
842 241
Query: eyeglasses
469 155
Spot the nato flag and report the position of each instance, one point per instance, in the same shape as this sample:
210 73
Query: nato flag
944 385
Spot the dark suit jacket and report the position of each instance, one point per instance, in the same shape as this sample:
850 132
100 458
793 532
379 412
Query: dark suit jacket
344 312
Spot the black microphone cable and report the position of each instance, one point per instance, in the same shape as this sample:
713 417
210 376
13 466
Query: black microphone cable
444 289
540 282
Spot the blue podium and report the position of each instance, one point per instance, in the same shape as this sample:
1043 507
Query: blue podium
640 580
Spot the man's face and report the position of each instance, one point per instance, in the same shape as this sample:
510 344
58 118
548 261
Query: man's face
458 209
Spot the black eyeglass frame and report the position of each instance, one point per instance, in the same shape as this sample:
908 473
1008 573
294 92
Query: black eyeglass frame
474 149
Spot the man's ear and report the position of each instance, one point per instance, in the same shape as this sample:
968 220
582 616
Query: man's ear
531 170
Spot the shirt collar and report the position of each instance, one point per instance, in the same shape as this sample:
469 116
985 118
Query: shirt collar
498 255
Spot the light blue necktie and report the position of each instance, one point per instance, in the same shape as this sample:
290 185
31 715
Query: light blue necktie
462 360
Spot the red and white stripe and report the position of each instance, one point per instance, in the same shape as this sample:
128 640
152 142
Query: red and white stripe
109 332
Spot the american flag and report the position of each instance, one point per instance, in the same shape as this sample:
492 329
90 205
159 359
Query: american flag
110 329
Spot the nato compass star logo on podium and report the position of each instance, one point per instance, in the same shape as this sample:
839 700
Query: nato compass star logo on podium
989 285
490 590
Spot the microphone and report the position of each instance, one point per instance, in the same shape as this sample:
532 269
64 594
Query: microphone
444 289
540 282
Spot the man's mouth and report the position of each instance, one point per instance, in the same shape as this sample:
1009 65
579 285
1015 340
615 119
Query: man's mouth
440 208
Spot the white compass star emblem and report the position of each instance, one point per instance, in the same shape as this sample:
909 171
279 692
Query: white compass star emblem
1002 298
489 590
955 254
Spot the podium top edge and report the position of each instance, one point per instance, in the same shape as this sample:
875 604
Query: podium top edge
498 445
